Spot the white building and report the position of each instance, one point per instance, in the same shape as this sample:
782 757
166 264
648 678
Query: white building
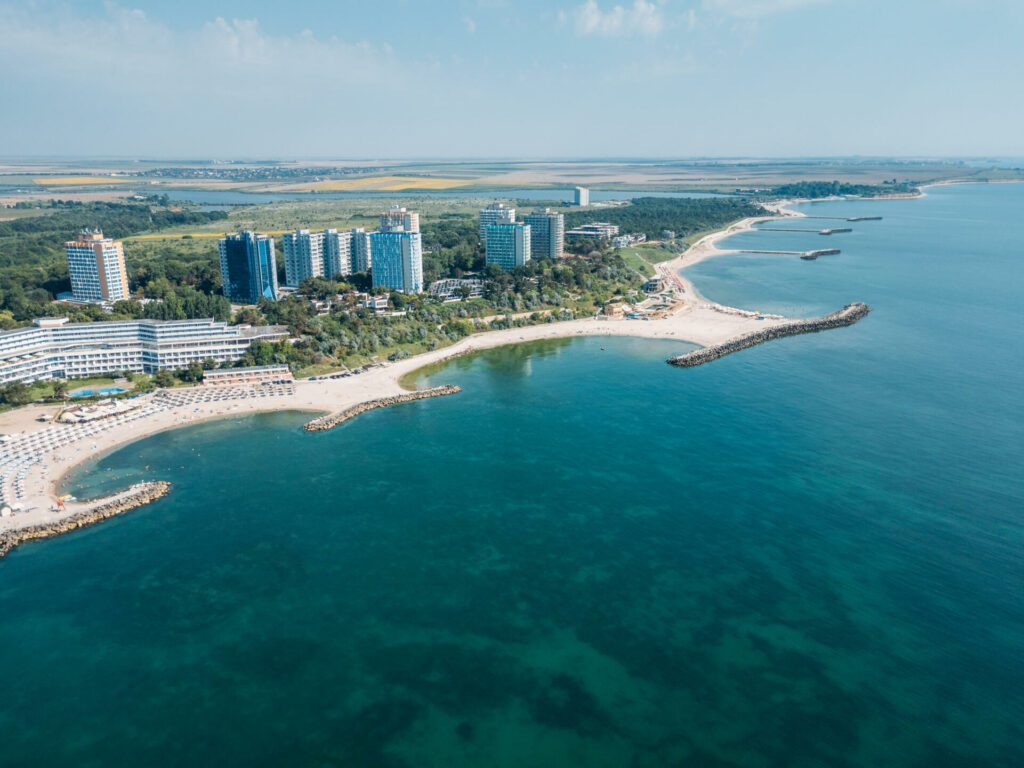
253 374
362 261
96 268
595 230
495 213
55 348
624 241
397 261
316 254
337 253
547 234
303 256
582 197
508 245
454 288
396 219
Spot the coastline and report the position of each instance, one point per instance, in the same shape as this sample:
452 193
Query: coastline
696 321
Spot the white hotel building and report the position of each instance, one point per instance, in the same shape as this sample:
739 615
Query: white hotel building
54 348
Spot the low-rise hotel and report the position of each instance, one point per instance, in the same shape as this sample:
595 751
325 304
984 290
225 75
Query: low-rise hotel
53 348
595 230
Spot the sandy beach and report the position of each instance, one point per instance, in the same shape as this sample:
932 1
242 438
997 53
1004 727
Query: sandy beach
696 321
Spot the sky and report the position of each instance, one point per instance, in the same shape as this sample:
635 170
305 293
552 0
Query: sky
512 78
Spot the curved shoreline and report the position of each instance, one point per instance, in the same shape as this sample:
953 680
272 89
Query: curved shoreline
695 320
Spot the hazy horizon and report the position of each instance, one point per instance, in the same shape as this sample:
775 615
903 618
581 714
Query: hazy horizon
492 79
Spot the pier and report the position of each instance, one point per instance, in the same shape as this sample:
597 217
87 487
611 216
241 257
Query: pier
848 315
844 218
832 231
805 255
323 423
136 496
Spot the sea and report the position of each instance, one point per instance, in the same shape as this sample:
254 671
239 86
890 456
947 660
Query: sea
810 553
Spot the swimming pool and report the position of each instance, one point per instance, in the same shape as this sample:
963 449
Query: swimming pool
101 392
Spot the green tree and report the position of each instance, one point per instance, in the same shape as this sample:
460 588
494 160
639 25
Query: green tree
163 378
15 393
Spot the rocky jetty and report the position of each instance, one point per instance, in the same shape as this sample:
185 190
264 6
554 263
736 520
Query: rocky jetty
848 315
136 496
332 420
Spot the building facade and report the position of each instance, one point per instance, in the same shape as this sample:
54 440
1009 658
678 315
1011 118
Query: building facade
495 213
547 234
255 374
362 259
397 261
248 267
337 253
303 256
581 197
96 267
396 219
54 348
508 245
596 230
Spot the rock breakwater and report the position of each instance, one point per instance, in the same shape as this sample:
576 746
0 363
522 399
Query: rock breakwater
136 496
332 420
848 315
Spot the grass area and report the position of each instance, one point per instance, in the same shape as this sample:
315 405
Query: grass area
642 258
79 181
10 214
287 215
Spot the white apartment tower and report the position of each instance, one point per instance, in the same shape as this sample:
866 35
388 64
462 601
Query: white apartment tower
96 267
547 234
362 261
582 197
508 245
396 219
337 253
303 256
495 213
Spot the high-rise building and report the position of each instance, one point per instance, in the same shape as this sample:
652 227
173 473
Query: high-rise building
547 234
303 256
362 260
96 267
495 213
508 245
337 253
248 267
582 197
396 219
397 261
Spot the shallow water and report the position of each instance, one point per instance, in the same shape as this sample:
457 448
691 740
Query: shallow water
806 554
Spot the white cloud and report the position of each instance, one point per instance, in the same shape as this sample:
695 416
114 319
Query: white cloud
754 9
642 19
127 50
470 25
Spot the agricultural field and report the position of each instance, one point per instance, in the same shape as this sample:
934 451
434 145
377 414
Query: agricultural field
80 181
383 184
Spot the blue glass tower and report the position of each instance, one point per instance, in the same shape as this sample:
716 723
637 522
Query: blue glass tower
248 267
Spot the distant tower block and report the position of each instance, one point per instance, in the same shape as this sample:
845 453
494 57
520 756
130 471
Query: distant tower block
582 197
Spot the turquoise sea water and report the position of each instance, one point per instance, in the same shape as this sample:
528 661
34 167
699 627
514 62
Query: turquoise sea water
806 554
